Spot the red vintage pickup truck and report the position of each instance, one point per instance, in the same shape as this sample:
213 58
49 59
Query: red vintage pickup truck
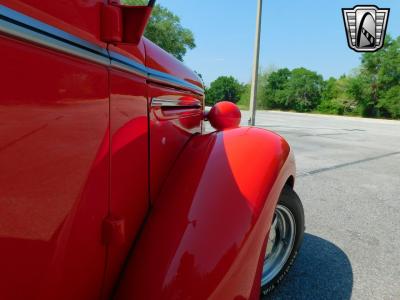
109 185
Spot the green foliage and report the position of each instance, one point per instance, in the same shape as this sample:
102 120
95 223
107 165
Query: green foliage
299 89
331 106
373 90
275 90
379 75
336 98
224 88
166 31
331 89
304 89
244 101
390 103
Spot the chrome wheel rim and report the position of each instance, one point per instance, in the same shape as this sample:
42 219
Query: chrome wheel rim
280 243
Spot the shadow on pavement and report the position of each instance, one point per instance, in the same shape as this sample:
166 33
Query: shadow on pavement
321 271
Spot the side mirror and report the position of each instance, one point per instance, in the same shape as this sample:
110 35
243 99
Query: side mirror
124 23
224 115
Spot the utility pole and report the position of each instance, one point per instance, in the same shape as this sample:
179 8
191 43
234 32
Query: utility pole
254 79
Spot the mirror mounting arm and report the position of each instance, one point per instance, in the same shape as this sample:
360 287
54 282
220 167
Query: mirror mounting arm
124 23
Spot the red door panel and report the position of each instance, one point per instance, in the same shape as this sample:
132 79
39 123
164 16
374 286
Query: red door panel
175 116
54 151
129 200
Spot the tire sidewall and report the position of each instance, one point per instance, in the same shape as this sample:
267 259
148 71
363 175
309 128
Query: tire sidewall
290 200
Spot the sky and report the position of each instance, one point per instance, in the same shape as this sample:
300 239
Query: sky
301 33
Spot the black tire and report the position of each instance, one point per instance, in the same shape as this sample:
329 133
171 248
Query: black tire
292 202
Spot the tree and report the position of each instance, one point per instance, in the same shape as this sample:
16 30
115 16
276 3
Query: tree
224 88
389 81
391 102
304 89
262 83
275 95
330 90
165 30
335 97
330 94
299 89
359 88
380 71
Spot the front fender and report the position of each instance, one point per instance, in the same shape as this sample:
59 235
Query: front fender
204 237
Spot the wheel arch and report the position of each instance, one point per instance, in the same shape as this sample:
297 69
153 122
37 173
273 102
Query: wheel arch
206 232
290 181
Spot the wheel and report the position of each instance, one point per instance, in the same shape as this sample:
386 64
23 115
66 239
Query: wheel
285 238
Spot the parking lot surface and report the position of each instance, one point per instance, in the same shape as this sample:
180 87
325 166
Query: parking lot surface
348 178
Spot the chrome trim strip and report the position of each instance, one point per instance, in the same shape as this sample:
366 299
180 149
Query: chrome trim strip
127 68
129 63
35 25
32 36
160 102
172 80
27 28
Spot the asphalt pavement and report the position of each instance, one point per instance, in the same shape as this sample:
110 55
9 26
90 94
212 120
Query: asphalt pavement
348 177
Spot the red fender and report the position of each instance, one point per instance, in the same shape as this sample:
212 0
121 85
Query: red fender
205 236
